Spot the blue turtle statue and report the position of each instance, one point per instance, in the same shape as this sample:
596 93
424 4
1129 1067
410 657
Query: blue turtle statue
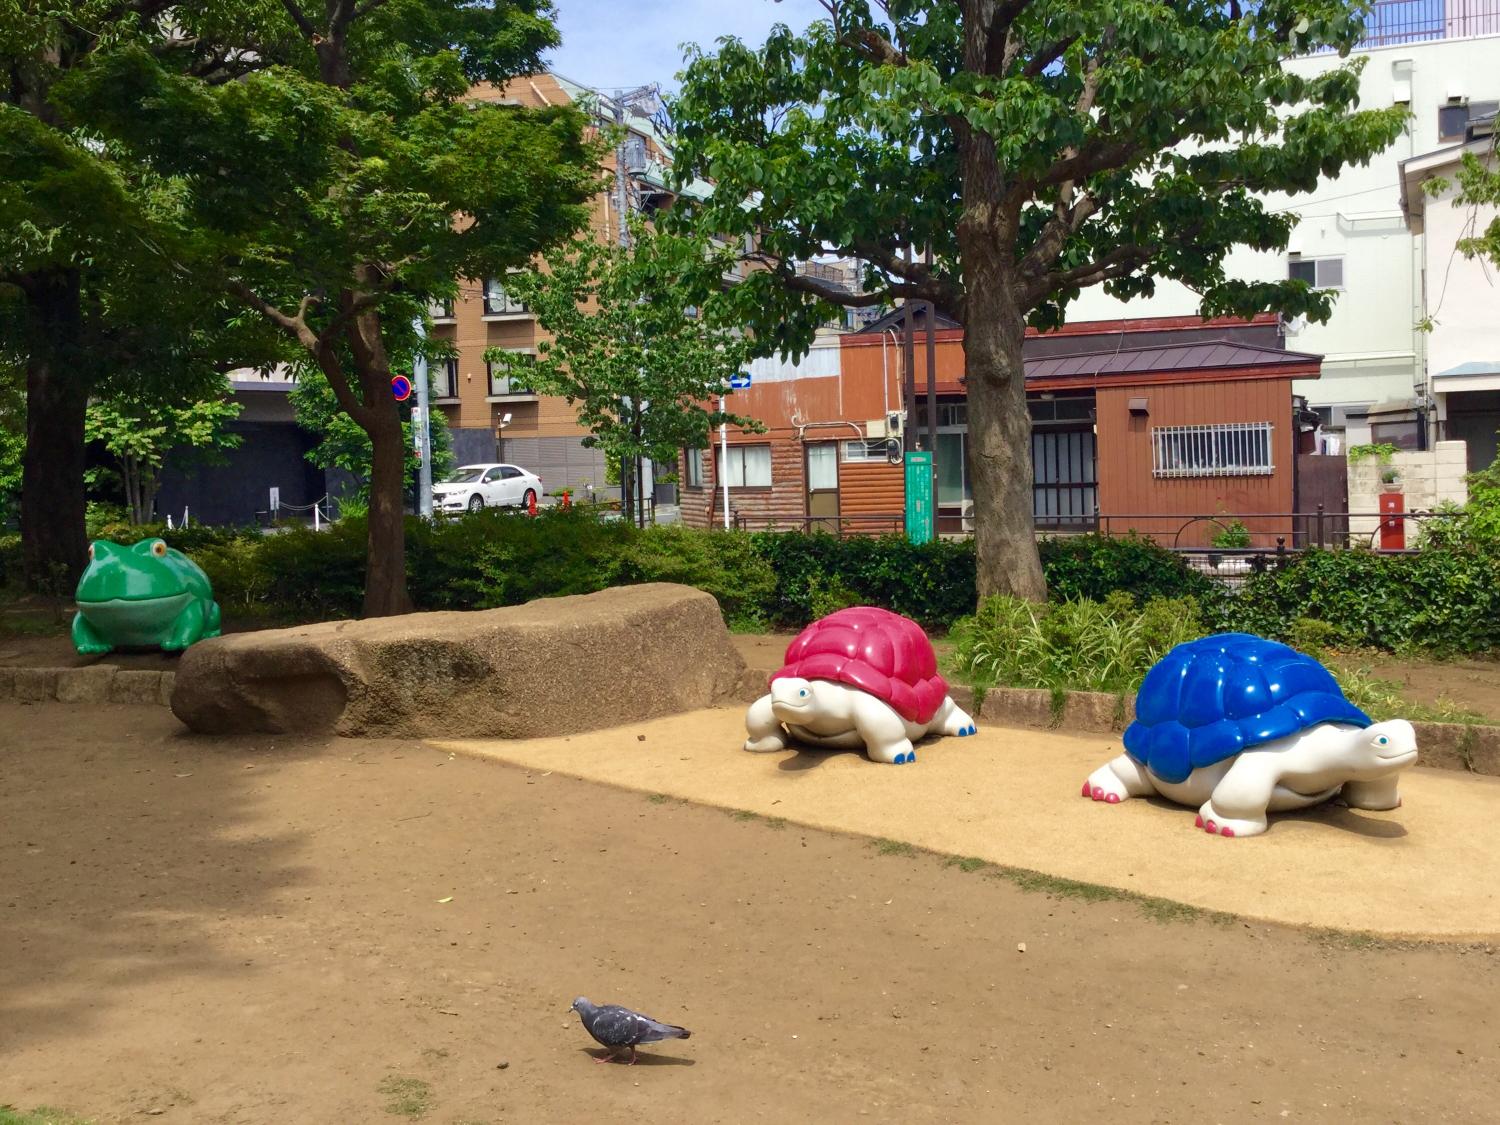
1241 726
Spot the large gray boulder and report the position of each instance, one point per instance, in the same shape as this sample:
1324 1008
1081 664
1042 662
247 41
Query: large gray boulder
553 666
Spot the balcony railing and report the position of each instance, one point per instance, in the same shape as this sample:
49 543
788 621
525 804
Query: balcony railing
1392 22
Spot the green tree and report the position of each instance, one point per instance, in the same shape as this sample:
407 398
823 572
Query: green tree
348 186
1036 147
630 351
140 430
98 281
342 444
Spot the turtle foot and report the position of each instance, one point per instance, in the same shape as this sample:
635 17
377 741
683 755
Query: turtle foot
1104 785
964 732
765 745
1216 825
903 759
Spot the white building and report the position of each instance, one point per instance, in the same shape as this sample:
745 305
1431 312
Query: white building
1441 58
1460 296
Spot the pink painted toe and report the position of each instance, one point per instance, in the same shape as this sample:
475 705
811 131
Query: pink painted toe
1086 787
1210 826
1098 793
1198 821
1226 831
1111 798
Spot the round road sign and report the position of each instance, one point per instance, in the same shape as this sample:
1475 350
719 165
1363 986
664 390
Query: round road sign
401 387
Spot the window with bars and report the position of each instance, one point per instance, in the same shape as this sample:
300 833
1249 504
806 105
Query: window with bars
860 451
1227 449
497 302
749 466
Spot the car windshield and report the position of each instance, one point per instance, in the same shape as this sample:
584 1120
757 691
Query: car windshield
469 474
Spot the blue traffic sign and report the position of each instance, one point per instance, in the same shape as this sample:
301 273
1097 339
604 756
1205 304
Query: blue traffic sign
401 387
739 382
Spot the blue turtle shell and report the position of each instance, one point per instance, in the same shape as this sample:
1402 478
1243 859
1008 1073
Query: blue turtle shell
1209 699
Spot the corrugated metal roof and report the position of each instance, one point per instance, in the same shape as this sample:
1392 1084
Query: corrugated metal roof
1200 356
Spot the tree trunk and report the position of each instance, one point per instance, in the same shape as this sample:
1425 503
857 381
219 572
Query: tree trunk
385 575
1000 457
54 546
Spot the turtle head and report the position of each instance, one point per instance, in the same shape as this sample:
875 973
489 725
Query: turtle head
792 698
1383 748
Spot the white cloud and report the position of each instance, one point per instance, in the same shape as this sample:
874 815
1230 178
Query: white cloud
611 45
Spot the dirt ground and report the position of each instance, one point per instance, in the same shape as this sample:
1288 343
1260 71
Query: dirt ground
273 931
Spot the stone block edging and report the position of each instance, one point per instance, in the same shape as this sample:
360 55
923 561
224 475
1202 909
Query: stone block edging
1452 746
97 683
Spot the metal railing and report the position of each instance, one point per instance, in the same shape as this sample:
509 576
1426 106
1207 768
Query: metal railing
1393 22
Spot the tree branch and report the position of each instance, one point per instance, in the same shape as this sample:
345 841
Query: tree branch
294 326
1117 263
365 9
299 18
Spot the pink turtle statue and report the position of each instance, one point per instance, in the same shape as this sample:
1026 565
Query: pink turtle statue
859 677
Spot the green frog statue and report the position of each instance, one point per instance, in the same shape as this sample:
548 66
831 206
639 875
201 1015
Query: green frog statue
143 596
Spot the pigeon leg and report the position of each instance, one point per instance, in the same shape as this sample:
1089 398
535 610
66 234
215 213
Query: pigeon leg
632 1057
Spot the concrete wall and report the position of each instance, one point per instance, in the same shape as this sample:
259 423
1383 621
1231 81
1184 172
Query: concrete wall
1428 479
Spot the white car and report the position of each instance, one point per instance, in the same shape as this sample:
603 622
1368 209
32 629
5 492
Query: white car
474 487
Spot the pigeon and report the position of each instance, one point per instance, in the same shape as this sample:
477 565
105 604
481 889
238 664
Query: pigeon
617 1027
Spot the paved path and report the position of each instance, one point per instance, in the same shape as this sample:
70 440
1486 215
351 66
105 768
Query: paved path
1430 868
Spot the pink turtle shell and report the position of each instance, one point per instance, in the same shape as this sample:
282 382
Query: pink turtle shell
873 650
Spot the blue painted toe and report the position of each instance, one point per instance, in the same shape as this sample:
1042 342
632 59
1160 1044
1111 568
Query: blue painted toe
973 729
901 759
912 757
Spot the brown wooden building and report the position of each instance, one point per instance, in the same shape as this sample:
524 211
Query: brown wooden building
1135 424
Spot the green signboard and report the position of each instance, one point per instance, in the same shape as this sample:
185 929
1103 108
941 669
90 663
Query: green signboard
919 516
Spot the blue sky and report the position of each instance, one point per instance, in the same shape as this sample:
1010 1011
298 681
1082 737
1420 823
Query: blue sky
609 44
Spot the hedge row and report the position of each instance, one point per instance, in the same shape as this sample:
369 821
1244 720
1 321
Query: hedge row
1445 599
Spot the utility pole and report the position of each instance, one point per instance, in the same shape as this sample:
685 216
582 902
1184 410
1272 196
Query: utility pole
908 373
421 427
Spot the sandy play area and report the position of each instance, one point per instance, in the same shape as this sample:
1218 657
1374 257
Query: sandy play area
269 931
1011 797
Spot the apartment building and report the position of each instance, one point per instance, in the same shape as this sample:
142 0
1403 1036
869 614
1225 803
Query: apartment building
1441 59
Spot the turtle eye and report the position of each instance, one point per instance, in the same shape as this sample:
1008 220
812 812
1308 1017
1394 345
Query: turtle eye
159 549
802 692
1382 740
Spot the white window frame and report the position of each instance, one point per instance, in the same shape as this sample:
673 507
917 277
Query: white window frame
863 451
737 474
692 468
1222 449
505 305
1319 281
449 367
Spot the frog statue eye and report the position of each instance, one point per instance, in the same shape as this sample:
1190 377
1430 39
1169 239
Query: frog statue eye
159 549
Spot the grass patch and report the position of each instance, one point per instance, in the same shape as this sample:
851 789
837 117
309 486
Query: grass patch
41 1115
1162 910
743 814
408 1097
894 847
1382 699
775 823
658 798
965 863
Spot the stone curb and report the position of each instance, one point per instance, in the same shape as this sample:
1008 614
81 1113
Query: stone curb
1449 746
98 683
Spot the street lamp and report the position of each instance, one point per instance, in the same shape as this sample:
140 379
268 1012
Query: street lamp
500 437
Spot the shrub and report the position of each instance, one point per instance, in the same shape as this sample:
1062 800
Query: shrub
1080 645
1094 566
1436 600
1231 535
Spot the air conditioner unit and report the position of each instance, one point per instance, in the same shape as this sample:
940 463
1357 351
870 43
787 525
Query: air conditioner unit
875 429
893 424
